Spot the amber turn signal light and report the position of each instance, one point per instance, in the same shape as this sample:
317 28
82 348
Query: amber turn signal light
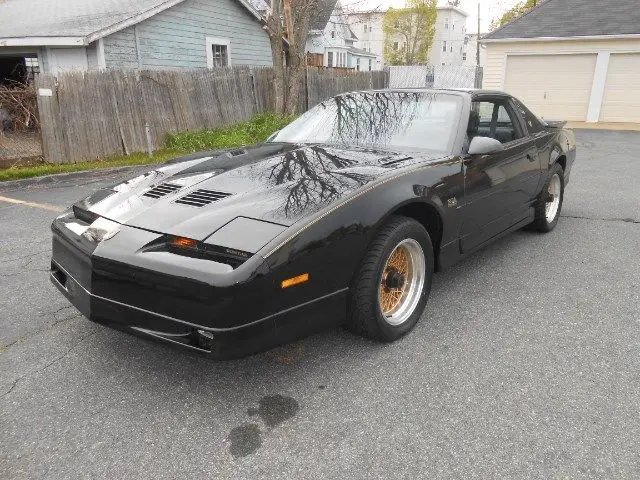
290 282
183 242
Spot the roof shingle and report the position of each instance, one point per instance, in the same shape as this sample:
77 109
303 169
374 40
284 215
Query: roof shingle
574 18
71 18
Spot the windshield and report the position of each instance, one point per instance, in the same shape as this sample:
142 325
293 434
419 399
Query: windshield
384 120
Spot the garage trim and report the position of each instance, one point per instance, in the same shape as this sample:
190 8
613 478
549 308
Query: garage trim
561 39
597 89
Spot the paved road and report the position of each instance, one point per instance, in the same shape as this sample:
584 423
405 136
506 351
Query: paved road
526 364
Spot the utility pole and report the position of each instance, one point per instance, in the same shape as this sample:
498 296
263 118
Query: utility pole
478 39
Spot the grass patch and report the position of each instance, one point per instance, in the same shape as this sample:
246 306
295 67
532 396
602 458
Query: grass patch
15 173
254 131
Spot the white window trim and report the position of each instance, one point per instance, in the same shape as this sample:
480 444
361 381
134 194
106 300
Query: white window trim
102 62
211 41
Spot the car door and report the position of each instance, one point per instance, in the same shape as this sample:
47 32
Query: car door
498 186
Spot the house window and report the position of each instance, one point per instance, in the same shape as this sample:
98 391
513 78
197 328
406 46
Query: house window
443 64
329 59
451 48
464 55
369 64
218 52
32 65
444 46
446 23
333 34
466 40
453 25
220 56
395 46
364 28
358 64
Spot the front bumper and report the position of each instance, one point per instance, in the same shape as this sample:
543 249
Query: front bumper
223 322
225 343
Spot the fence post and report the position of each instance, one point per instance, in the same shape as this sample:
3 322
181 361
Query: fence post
147 131
479 74
254 85
51 127
306 89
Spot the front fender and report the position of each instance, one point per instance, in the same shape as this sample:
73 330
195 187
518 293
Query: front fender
331 244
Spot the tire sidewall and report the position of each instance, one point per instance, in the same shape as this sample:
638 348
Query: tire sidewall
416 232
555 170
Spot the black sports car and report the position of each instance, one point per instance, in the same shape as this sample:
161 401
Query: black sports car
339 218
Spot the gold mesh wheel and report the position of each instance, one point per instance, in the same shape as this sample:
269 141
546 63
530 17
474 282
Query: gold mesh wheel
402 282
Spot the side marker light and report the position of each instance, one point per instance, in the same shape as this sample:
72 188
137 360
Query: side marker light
183 242
290 282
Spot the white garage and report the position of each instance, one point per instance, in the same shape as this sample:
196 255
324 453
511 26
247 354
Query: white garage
621 102
586 71
552 85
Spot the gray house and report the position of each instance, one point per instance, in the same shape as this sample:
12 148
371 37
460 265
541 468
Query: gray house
54 36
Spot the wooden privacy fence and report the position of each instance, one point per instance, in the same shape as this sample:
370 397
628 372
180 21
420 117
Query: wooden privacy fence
90 115
326 82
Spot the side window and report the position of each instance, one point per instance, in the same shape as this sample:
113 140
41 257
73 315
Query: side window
534 125
492 119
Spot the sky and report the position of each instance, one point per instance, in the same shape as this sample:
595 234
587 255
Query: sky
489 9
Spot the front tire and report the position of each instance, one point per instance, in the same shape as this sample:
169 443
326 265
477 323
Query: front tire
392 285
549 202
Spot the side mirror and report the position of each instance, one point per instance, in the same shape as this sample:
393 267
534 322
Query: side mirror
484 145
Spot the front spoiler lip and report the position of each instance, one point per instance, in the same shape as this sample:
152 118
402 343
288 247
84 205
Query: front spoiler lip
69 295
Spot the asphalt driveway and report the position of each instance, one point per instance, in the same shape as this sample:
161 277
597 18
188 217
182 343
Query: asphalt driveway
526 364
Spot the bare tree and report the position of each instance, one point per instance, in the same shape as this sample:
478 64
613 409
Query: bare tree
288 24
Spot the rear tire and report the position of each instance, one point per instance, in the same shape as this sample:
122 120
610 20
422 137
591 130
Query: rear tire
392 285
549 202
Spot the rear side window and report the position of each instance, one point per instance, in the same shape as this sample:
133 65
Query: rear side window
493 119
534 125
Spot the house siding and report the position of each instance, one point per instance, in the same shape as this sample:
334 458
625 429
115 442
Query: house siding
176 38
120 49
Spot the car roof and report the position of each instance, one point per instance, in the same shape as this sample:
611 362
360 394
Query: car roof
462 91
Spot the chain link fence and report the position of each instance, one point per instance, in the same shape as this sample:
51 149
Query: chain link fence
20 141
433 76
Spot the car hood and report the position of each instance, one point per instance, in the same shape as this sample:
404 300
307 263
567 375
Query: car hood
277 183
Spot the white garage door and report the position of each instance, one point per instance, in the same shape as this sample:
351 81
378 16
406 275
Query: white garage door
556 87
621 101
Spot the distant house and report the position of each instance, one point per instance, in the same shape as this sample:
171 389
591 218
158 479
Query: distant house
448 48
331 41
55 36
470 50
571 59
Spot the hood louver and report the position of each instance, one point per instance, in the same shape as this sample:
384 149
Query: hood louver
162 190
202 197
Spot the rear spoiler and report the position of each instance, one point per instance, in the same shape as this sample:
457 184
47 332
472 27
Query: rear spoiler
555 123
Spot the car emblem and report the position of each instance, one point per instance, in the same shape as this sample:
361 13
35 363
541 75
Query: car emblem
452 202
